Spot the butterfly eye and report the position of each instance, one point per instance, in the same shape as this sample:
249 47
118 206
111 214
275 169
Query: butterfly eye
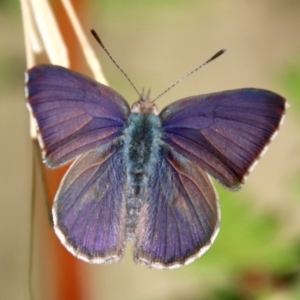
135 108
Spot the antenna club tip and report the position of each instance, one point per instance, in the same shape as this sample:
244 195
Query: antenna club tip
96 36
220 52
216 55
94 33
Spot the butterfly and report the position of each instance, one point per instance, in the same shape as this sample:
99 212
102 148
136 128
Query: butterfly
140 175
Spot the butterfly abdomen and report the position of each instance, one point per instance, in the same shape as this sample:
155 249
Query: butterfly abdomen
142 142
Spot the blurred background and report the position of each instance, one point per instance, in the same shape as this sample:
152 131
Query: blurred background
257 252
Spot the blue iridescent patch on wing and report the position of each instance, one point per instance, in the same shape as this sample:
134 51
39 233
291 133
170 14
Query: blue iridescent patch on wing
74 113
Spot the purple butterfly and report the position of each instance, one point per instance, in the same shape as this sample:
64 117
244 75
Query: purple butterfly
141 176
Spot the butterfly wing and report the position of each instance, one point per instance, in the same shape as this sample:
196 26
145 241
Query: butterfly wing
224 133
89 208
74 113
180 217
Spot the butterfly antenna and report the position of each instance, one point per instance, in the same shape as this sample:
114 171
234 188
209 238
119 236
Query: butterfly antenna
192 72
96 36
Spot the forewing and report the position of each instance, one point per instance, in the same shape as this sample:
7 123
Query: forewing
89 208
180 217
225 132
74 113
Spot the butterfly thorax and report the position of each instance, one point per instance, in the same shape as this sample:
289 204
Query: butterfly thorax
142 142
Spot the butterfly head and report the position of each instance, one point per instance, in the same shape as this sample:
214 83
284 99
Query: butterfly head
144 106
